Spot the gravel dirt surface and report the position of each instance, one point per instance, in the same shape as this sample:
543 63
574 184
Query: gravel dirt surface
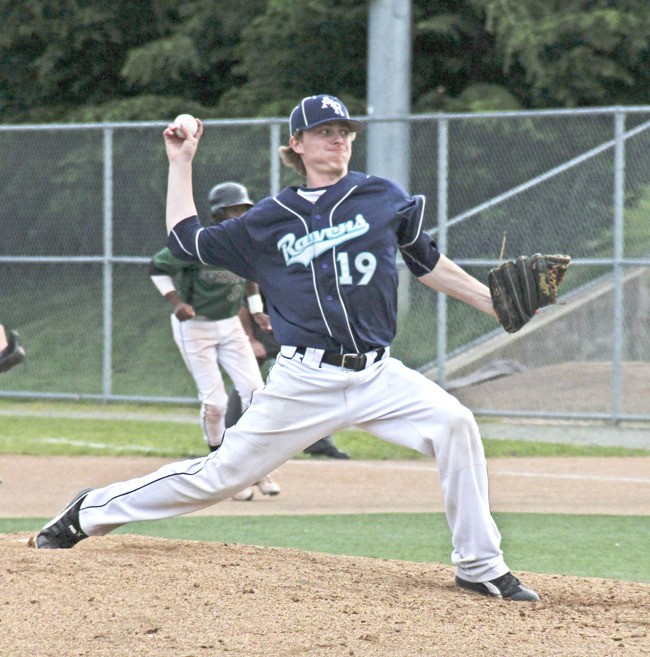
612 485
126 595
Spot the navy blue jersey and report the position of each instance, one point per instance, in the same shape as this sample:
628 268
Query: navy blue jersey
328 270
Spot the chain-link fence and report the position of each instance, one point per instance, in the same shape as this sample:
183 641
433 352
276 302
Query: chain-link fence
83 211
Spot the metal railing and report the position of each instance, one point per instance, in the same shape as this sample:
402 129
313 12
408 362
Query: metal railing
448 149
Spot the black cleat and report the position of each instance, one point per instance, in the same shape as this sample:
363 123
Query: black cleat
64 531
326 448
507 586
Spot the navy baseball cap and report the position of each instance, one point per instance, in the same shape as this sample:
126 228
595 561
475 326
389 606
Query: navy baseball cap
314 110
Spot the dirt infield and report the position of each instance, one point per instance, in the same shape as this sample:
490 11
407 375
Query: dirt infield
619 486
142 597
125 595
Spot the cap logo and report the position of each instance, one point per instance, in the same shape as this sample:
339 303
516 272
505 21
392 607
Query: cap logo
334 104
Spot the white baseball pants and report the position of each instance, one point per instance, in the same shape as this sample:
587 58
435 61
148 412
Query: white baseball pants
205 346
301 403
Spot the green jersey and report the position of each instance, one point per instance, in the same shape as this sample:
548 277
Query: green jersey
213 292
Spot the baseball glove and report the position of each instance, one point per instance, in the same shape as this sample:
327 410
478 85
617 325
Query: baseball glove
519 288
12 354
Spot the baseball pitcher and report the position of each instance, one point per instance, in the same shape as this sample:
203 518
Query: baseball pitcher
324 255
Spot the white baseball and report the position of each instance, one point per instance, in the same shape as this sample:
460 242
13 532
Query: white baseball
187 121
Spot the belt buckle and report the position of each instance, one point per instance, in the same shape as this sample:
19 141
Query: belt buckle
357 362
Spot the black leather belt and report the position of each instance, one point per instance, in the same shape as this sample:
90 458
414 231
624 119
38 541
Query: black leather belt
354 362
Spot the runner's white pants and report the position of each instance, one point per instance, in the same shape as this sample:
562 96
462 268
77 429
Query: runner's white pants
302 403
207 345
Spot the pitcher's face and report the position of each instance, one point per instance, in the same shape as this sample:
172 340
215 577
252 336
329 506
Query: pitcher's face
327 148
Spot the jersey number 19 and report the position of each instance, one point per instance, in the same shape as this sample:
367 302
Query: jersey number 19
365 264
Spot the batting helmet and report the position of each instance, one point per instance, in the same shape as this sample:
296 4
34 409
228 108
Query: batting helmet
227 194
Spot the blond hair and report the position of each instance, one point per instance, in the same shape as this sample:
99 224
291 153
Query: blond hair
292 160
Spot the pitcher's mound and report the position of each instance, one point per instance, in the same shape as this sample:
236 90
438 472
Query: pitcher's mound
141 596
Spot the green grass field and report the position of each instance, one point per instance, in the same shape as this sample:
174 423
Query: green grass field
83 428
594 545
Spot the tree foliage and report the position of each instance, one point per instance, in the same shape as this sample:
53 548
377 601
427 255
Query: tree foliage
573 52
454 64
77 60
57 54
301 47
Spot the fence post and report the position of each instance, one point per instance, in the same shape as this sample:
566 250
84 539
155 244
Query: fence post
619 302
108 265
274 159
443 182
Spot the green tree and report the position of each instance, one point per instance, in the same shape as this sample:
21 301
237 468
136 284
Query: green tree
455 64
197 57
573 53
65 53
89 60
298 47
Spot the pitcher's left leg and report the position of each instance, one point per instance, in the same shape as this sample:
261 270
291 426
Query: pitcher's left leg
417 413
463 475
